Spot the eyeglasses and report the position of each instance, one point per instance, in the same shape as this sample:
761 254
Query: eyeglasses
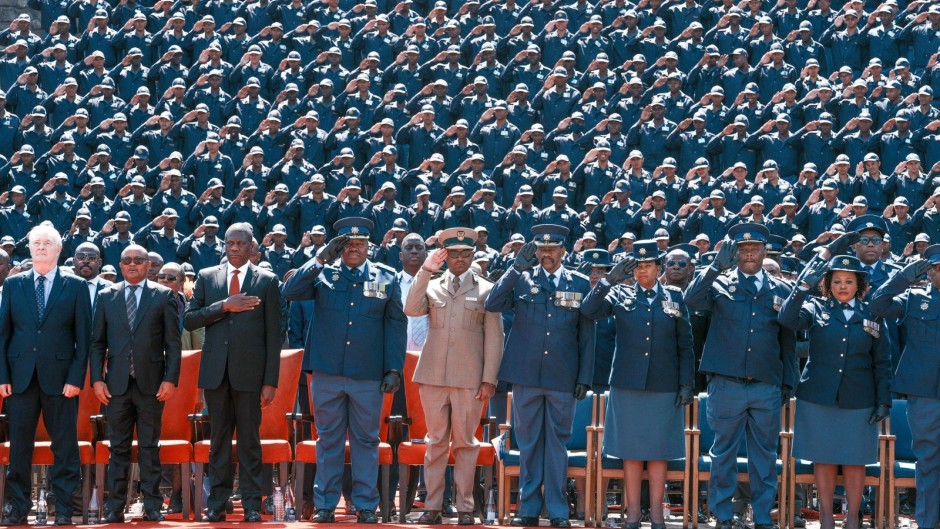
85 257
874 241
166 277
136 260
464 254
680 264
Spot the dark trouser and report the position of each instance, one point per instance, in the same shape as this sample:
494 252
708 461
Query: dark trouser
60 415
231 410
143 410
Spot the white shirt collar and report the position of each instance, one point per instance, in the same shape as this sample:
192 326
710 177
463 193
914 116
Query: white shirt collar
50 275
242 270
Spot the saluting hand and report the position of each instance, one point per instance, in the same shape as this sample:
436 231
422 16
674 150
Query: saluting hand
727 256
841 245
914 271
525 259
333 249
621 271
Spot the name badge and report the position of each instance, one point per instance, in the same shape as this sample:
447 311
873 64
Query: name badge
571 300
374 289
872 328
778 302
671 308
471 299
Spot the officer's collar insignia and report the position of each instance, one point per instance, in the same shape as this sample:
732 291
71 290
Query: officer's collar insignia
746 236
335 277
355 229
629 302
546 237
825 315
535 290
924 306
845 262
732 288
642 251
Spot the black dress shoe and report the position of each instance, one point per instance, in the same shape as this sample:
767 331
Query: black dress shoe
229 507
153 515
524 521
430 518
14 519
63 519
253 516
560 522
366 516
213 516
799 522
112 517
323 516
450 510
465 518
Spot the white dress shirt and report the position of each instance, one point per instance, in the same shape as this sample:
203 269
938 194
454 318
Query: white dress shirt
417 325
50 277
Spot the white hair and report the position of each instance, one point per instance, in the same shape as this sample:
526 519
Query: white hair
45 230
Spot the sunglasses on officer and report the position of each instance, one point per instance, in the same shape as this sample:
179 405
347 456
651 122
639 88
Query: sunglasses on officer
139 260
462 254
873 240
680 263
85 257
166 277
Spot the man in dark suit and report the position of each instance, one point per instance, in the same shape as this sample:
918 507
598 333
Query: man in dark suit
135 366
49 328
239 304
87 265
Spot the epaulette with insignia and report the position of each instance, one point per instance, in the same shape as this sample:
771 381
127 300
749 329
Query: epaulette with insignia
481 278
579 274
672 287
384 267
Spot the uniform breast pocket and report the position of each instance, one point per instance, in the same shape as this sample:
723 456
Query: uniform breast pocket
372 308
473 314
926 327
730 307
437 314
337 298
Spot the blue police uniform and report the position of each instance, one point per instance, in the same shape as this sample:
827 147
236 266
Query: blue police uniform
848 373
549 351
653 358
362 333
748 356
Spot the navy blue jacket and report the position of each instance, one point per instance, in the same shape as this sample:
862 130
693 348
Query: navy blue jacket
654 349
358 337
58 343
745 339
849 362
549 346
916 311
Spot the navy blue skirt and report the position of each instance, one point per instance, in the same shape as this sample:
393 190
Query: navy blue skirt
835 436
643 426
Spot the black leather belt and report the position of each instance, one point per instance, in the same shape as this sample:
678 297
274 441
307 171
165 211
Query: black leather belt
740 380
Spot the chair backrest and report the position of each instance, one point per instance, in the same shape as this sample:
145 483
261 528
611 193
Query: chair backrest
707 435
584 415
274 424
903 450
175 424
418 427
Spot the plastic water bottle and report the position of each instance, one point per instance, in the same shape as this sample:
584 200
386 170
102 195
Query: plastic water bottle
42 508
491 509
93 507
290 512
667 514
845 507
278 504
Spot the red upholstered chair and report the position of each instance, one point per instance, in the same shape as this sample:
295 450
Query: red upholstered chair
176 433
88 405
275 428
306 453
411 452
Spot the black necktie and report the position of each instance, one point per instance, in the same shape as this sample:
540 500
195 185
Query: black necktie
551 282
752 284
649 292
